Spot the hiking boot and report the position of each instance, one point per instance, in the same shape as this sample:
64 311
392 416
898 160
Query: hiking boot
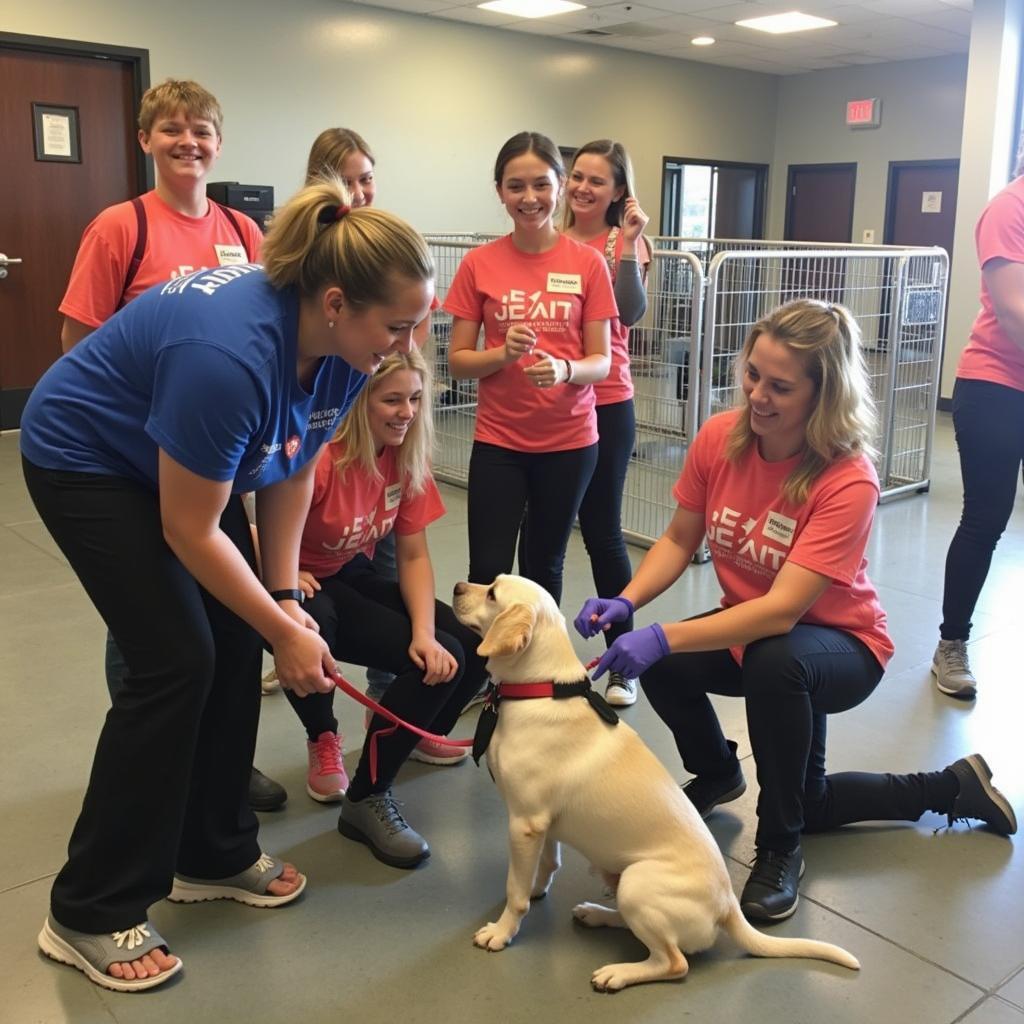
620 691
978 798
326 780
376 821
432 752
265 794
771 890
952 670
707 792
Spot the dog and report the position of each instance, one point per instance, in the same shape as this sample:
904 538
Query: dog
567 774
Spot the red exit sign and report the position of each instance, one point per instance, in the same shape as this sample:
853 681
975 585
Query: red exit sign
864 113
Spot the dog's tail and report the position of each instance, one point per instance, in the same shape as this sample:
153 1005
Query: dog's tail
757 943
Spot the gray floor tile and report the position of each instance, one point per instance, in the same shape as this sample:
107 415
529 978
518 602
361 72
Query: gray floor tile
994 1011
1013 990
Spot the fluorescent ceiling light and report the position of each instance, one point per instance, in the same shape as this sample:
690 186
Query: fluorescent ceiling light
791 21
531 8
702 41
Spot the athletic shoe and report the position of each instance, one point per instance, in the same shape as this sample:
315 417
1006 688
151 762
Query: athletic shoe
265 794
707 792
432 752
377 822
326 781
771 890
620 691
952 670
978 798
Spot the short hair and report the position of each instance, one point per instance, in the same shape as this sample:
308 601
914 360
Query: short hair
414 453
528 142
622 175
173 95
316 240
331 148
826 339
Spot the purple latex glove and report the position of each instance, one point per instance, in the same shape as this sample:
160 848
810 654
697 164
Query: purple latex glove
607 610
634 652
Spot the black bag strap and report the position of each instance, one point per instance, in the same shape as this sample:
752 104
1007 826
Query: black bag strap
141 233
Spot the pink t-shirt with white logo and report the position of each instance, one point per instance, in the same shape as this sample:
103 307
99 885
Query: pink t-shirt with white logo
752 531
991 355
556 293
349 513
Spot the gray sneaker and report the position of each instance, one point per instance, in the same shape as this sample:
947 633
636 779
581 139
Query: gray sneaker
952 670
376 821
620 691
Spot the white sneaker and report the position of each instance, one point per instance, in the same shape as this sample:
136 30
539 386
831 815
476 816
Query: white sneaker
620 691
952 670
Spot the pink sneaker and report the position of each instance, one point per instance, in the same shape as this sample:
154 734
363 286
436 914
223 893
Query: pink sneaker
326 780
430 752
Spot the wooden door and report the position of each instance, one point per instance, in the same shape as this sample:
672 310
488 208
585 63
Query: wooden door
920 206
45 205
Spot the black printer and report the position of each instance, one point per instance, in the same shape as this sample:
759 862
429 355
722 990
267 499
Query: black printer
257 201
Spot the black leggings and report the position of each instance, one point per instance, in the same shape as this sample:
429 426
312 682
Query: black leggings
790 683
989 423
364 620
170 775
501 483
600 512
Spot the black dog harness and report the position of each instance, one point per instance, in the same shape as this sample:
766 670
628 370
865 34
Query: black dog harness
525 691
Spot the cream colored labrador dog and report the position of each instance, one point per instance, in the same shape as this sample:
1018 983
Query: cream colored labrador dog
566 775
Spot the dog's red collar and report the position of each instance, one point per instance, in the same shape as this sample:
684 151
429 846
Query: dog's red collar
524 691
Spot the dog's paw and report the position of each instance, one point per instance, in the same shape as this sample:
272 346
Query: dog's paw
492 937
610 978
593 915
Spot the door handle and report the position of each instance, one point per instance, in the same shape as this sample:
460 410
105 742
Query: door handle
5 261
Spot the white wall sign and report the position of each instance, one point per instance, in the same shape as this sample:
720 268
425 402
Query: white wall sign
931 202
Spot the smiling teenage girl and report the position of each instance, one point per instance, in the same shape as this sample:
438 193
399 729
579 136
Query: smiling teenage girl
785 493
545 303
136 447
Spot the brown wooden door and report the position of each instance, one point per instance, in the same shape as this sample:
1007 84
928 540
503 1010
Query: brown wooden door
921 203
44 206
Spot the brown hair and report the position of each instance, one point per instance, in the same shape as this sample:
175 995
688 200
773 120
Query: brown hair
826 339
316 240
173 95
528 142
331 149
622 175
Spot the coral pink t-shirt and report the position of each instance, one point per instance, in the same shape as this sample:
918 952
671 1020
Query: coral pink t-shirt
618 385
176 245
752 531
350 512
990 354
556 293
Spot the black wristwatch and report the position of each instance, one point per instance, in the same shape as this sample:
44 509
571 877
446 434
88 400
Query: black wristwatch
288 595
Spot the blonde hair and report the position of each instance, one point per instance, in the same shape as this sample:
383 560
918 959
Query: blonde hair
826 339
331 148
622 176
173 95
316 240
414 452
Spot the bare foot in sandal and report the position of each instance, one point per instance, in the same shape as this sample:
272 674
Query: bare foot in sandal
152 964
287 882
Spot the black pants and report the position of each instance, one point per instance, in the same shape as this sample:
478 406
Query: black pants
790 684
600 514
364 620
989 423
501 484
169 779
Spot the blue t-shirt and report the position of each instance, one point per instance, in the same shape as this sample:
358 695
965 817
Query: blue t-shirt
203 367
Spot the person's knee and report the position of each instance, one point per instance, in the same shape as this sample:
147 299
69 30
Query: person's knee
770 668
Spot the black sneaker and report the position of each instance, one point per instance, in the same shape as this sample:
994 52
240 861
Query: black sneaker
707 793
771 890
265 794
978 798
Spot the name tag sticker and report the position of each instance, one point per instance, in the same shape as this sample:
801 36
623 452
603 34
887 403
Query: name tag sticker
392 496
228 254
565 284
779 527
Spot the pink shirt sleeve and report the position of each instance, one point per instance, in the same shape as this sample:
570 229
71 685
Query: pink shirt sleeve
1000 231
691 489
97 277
598 296
463 299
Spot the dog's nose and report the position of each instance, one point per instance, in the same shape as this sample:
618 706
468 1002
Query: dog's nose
461 588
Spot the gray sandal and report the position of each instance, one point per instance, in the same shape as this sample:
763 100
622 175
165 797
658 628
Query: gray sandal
93 954
248 887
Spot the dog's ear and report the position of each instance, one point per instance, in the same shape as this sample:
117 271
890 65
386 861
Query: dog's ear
510 632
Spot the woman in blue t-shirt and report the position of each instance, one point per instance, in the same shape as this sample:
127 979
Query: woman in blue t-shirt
137 447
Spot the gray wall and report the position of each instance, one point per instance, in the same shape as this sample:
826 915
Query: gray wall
922 119
435 99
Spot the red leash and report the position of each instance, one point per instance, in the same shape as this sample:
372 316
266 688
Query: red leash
397 723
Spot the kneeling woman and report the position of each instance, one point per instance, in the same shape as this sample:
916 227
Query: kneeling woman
785 492
374 477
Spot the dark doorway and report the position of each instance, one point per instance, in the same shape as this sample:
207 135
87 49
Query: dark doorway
710 199
44 205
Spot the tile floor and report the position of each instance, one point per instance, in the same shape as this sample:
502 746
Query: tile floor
934 915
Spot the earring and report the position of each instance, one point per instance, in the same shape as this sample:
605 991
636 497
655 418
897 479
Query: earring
330 323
